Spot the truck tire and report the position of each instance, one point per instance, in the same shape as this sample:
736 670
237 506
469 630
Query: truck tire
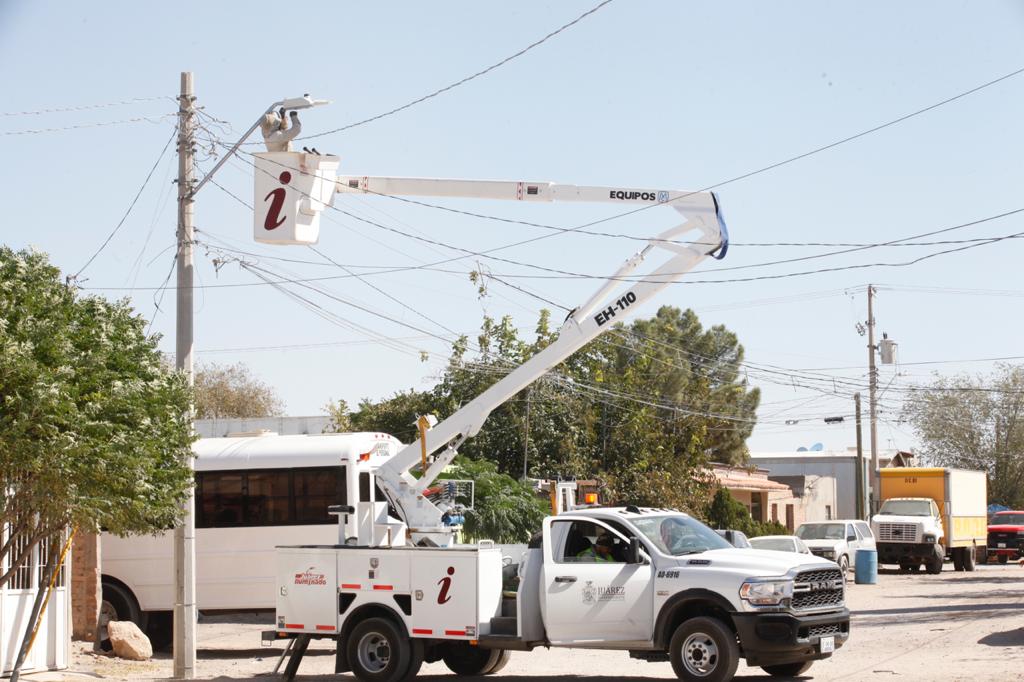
934 564
1002 558
844 566
704 649
970 553
982 557
958 559
466 660
787 669
501 662
378 651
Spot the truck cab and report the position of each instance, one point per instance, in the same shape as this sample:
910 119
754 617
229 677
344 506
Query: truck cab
1006 535
909 532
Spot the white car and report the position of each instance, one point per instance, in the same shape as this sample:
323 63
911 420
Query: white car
780 543
837 540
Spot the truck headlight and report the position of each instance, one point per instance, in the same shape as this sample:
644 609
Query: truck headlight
929 537
766 592
828 553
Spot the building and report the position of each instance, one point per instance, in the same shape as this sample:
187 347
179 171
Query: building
789 500
840 465
284 426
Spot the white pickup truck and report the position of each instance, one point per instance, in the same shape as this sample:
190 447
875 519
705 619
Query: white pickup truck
654 582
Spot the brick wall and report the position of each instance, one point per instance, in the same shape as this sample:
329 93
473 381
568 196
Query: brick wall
86 592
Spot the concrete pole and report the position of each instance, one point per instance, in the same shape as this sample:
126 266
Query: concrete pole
185 532
861 484
872 404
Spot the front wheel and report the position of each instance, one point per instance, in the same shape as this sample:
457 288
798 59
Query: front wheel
378 652
704 649
844 566
934 564
787 669
1002 558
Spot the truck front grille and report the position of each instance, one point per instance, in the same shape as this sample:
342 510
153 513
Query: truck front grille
898 532
832 629
820 589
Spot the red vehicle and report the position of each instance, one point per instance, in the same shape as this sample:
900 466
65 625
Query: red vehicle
1006 535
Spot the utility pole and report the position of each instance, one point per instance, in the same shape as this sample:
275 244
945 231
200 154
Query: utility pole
861 483
872 404
185 531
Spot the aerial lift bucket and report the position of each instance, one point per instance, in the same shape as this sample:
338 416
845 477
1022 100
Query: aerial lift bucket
292 190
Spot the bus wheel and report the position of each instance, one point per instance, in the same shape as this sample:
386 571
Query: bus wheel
118 604
378 652
463 659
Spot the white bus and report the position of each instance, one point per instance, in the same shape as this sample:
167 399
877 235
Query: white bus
252 493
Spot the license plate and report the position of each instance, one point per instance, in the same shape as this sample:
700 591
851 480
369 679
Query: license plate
828 645
1001 545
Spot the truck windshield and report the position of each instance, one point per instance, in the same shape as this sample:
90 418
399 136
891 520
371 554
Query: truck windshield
821 531
1008 520
678 534
907 508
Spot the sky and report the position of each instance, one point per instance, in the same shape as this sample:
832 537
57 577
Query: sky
637 94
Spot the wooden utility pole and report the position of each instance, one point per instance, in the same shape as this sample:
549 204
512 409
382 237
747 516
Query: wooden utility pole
185 532
872 404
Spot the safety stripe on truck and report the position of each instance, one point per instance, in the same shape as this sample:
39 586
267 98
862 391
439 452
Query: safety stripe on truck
422 631
455 633
294 626
325 627
383 587
349 586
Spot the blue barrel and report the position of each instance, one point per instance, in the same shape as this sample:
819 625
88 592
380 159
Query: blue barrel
865 570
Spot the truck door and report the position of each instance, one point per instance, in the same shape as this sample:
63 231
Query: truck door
589 593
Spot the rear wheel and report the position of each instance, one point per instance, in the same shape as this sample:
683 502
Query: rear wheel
787 669
969 555
463 659
958 559
704 649
378 651
118 604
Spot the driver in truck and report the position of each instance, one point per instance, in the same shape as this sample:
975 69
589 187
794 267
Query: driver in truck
600 551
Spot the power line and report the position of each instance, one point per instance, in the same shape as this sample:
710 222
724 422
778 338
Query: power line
465 80
130 206
85 107
38 131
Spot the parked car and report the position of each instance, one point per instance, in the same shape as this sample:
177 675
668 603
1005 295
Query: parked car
1006 535
736 538
837 540
780 543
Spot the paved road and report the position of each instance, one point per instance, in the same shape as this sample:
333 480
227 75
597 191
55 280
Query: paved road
952 626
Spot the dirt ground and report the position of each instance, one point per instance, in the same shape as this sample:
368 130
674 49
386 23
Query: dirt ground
952 626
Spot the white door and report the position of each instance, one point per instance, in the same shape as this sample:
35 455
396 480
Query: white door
590 598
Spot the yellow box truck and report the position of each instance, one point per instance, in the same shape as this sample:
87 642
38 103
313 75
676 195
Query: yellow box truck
928 514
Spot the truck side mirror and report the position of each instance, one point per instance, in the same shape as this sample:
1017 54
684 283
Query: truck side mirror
633 552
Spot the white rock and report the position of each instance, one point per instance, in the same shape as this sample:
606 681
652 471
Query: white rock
129 641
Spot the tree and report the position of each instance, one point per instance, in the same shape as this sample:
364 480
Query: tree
94 431
232 391
726 512
506 510
975 423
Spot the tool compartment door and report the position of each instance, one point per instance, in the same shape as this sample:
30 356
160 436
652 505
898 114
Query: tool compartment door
307 593
445 592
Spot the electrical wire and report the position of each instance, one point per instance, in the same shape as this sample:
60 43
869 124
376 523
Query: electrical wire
39 131
465 80
130 206
83 107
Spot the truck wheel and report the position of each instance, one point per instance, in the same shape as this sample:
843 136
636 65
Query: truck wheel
704 649
463 659
968 561
958 559
377 651
934 564
787 669
1002 558
844 566
982 556
501 662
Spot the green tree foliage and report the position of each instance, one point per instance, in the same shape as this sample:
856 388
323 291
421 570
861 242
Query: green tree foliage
975 423
224 391
94 427
507 510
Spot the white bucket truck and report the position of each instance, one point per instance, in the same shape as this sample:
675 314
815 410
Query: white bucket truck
654 582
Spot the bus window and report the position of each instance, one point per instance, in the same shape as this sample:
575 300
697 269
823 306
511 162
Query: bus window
315 491
266 498
221 499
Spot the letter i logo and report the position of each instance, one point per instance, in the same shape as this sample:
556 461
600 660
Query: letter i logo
274 217
445 583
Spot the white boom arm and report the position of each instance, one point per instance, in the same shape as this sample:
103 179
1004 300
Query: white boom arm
582 325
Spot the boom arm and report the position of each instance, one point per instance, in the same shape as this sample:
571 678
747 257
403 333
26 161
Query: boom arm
585 323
